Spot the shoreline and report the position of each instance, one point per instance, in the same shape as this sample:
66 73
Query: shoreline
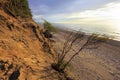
110 41
114 43
115 35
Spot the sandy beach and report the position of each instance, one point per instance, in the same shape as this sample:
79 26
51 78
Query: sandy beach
102 63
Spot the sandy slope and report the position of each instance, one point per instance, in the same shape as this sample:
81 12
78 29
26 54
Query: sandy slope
22 52
102 63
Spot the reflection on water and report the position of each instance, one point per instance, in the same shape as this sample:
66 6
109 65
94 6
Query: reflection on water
111 31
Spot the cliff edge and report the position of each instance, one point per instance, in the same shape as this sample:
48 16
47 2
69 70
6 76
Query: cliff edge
25 53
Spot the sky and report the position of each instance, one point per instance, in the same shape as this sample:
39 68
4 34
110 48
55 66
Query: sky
77 11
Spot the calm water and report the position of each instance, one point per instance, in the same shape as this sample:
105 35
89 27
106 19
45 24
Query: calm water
113 32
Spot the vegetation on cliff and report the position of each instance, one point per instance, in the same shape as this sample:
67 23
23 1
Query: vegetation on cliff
48 26
16 8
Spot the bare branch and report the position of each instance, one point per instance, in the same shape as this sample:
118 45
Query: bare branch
73 40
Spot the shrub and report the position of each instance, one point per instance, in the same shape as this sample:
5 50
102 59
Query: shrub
103 38
48 26
74 40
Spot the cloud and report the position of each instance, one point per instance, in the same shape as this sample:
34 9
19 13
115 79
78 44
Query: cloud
75 11
106 14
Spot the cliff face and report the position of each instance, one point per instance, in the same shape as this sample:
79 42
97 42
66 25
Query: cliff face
24 51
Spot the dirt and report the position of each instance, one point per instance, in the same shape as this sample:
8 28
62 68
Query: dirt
22 54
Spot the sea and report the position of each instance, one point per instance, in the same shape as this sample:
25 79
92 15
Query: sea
112 31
